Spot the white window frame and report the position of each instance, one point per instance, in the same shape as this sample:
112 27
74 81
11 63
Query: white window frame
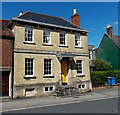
90 54
29 28
47 36
65 38
78 39
82 67
33 68
51 68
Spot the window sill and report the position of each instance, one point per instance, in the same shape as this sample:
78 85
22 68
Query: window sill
81 75
47 44
63 46
29 43
49 76
78 47
29 77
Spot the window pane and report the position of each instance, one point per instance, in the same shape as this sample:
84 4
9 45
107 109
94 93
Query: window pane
62 38
77 39
46 36
47 67
29 33
28 66
79 66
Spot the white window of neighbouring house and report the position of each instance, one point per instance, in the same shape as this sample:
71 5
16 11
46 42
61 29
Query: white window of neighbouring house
77 40
91 55
63 40
29 67
29 37
47 67
47 36
79 65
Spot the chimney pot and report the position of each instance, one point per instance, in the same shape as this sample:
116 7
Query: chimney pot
108 26
21 12
74 11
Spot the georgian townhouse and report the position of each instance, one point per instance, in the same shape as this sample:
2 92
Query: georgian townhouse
49 51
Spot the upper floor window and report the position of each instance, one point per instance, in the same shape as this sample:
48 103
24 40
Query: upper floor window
79 65
47 36
63 38
77 40
29 34
29 66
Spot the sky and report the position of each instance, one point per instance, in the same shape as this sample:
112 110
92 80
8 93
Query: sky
94 16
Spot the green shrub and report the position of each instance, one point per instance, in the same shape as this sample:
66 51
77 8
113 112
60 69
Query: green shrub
101 65
100 77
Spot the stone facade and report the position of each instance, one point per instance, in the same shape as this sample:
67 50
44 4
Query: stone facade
24 87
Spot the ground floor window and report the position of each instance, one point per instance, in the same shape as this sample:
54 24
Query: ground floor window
81 86
29 68
48 89
79 65
47 66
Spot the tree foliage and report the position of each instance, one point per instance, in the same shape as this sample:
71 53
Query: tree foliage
101 65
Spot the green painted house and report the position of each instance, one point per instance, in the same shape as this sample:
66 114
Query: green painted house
109 49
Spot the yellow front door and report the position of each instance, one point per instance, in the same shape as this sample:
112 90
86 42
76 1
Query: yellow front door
63 72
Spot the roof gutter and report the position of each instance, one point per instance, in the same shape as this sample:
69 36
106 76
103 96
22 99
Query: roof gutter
52 25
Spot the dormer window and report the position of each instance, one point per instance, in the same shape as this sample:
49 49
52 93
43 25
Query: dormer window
47 36
29 34
77 40
63 41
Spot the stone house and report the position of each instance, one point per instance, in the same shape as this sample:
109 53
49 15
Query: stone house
49 51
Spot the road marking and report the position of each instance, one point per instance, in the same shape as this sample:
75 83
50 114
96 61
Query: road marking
56 104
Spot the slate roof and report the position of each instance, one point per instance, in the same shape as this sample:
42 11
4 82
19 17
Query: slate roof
5 31
115 39
32 16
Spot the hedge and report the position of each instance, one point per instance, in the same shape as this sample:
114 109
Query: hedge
100 77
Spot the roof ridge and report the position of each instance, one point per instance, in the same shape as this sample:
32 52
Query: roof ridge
38 13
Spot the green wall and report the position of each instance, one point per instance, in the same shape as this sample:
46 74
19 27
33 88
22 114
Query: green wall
109 52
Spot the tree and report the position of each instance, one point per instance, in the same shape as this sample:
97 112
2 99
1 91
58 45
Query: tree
101 65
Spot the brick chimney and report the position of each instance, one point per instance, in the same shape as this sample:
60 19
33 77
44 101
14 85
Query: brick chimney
109 30
75 18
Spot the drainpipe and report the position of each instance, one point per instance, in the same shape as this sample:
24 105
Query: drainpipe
12 81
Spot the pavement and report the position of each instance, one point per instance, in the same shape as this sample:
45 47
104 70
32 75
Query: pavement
29 103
